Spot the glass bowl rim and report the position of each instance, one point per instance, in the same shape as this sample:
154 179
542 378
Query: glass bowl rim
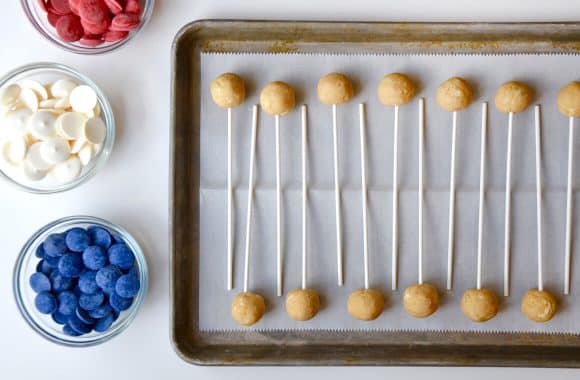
124 322
87 50
101 158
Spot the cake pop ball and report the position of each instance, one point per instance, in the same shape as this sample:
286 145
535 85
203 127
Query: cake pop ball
569 99
538 305
277 98
396 89
248 308
335 88
513 97
228 90
421 300
365 304
479 305
454 94
302 304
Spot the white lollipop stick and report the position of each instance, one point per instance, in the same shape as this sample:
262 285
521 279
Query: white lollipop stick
420 189
395 242
539 197
507 215
337 208
451 230
569 206
304 196
363 171
250 197
230 253
481 193
278 210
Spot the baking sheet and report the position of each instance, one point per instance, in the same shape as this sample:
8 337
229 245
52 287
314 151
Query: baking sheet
546 73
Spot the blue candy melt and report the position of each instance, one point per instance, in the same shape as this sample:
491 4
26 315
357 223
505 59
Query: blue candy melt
71 265
45 303
40 251
127 286
39 282
87 282
119 303
91 301
51 261
100 237
59 318
104 323
43 267
107 278
84 316
121 256
69 331
101 311
77 325
67 302
54 245
77 239
59 282
95 257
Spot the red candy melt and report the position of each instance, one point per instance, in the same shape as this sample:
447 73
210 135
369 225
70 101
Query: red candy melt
92 22
69 28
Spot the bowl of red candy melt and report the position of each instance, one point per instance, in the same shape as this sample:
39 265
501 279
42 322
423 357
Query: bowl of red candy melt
88 26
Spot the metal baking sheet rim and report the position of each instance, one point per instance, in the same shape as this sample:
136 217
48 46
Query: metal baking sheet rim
303 347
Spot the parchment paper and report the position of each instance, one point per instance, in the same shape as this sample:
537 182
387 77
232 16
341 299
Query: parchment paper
485 72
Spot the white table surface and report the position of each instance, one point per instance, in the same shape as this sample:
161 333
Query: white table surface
132 188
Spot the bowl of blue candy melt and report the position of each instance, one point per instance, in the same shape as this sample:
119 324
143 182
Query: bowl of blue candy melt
79 281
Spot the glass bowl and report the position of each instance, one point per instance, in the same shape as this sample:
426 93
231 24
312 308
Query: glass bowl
44 72
38 17
43 324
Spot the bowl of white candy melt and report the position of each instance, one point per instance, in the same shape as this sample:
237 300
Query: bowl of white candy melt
57 128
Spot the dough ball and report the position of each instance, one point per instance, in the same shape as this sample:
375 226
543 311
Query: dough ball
302 304
396 89
569 99
365 304
513 97
248 308
277 98
335 88
421 300
538 305
479 305
454 94
228 90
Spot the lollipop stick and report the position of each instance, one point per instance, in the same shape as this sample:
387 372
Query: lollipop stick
278 211
507 215
338 212
304 195
361 112
569 206
481 193
451 229
230 256
539 196
420 190
250 196
395 243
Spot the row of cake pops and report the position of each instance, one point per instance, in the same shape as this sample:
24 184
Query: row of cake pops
396 89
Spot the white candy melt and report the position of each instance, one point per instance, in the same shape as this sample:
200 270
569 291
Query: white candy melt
16 122
31 173
62 88
95 130
9 95
83 99
49 103
86 154
35 159
29 98
77 145
42 125
14 150
55 150
38 88
71 125
68 170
